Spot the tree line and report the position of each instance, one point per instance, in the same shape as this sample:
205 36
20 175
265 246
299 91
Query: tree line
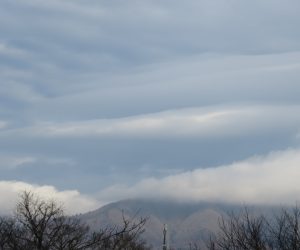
251 231
42 225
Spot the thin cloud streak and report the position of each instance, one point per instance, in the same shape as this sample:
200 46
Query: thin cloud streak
213 122
3 124
190 82
12 162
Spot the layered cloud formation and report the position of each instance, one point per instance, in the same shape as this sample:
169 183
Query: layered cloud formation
109 100
187 123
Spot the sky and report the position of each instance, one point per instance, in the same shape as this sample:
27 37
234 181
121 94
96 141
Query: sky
189 101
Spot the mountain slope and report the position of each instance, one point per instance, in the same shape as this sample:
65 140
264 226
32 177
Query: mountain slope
187 223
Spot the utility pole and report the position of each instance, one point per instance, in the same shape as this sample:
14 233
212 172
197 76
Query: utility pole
165 237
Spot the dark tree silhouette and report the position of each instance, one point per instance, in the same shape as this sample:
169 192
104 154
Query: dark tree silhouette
246 231
42 225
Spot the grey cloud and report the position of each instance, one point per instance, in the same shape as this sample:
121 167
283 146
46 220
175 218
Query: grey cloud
3 124
192 82
116 66
184 139
75 35
73 38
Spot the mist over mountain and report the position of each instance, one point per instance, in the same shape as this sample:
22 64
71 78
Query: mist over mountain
187 223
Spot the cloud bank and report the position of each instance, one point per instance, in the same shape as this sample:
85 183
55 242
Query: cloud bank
71 200
271 179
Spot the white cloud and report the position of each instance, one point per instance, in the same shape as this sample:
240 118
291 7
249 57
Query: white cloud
71 200
271 179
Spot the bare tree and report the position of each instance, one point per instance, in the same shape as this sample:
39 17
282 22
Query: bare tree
284 230
8 231
242 231
42 225
246 231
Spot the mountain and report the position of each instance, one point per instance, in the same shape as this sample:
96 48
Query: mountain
187 223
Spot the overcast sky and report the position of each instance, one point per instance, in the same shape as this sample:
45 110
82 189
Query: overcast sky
107 100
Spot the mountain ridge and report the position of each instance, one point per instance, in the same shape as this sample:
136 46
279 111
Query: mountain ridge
188 223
